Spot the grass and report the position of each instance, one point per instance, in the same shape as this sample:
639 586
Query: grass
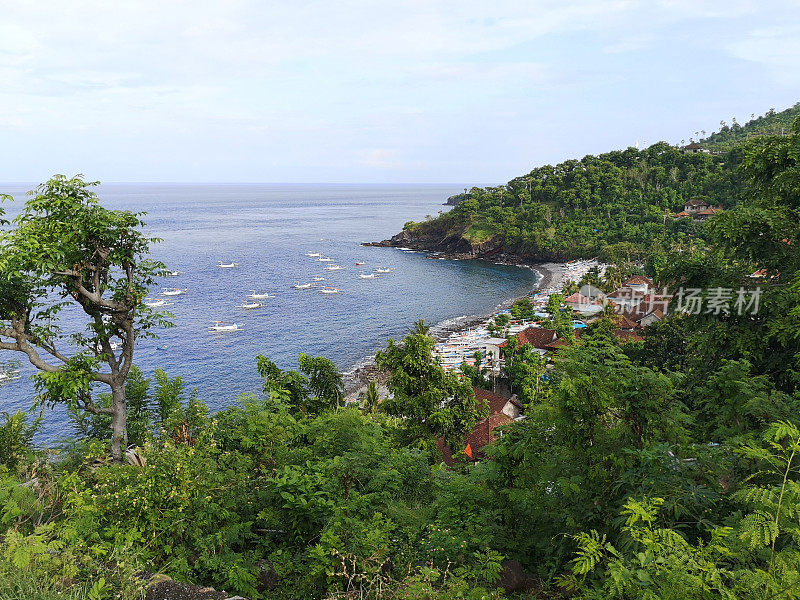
478 233
16 584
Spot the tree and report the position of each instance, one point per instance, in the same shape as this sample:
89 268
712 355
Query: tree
420 327
316 388
433 402
324 381
523 309
370 398
67 250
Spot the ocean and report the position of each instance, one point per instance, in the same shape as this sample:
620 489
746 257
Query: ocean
267 230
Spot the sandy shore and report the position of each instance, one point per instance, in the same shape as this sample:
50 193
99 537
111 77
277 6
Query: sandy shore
553 277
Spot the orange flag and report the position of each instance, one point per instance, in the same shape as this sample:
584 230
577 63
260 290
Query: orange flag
468 450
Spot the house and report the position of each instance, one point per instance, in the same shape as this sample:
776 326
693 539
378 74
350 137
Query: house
583 304
696 205
627 336
693 148
646 313
707 213
626 324
638 283
492 350
626 298
536 337
502 411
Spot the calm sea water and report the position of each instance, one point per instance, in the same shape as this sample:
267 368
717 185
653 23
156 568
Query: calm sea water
267 229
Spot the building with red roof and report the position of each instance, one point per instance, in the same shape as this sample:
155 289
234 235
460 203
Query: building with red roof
536 337
502 411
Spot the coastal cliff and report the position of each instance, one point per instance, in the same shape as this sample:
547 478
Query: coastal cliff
444 244
620 206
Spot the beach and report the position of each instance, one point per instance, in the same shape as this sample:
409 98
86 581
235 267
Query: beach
553 277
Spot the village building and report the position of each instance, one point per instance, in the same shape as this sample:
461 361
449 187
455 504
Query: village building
638 283
502 411
492 350
706 214
644 314
699 210
693 148
583 304
535 337
625 298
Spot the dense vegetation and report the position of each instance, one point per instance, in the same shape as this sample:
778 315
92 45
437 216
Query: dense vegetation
663 469
772 123
617 205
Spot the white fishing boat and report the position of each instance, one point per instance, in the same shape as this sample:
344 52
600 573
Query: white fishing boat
313 254
156 302
260 296
324 259
359 264
223 265
302 286
113 345
173 292
329 290
220 327
383 270
169 273
365 276
319 278
6 376
250 305
334 268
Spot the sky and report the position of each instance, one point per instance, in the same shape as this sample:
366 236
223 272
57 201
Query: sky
463 91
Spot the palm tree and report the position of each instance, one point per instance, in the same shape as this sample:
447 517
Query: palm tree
370 398
420 328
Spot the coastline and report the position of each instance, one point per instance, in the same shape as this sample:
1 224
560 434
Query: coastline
552 278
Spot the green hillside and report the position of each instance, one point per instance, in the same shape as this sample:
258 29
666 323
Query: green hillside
772 123
616 205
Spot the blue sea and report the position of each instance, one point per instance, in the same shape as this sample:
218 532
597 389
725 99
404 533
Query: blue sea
267 230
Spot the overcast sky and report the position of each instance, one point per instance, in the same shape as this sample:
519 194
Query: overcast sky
350 91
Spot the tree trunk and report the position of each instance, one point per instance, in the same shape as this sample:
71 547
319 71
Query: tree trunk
119 422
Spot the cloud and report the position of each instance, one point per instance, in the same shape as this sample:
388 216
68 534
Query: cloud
356 84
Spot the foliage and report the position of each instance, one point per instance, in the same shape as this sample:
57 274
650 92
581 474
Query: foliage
16 438
772 123
663 469
617 206
66 250
433 403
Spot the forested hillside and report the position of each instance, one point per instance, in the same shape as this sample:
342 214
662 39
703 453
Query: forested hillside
616 205
772 123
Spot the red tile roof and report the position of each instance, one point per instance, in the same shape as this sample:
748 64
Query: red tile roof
577 298
625 323
496 402
709 211
538 337
628 336
638 280
483 433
